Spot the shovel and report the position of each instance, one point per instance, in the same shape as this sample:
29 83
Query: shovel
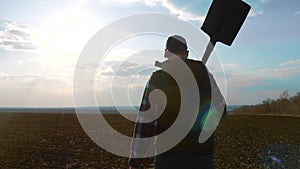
223 22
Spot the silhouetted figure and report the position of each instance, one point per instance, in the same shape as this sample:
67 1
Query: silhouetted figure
188 153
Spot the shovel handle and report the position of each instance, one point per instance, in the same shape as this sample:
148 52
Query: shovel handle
209 48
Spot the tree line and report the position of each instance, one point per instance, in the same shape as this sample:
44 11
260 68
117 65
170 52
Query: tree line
284 104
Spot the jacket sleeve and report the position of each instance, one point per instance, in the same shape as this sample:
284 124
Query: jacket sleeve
142 130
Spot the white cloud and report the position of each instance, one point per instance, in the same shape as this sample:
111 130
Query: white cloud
183 11
291 62
278 73
242 97
253 13
16 36
124 1
126 69
231 66
245 79
237 84
31 80
180 12
257 6
297 13
34 90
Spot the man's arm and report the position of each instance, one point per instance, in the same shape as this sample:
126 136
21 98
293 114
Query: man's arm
142 130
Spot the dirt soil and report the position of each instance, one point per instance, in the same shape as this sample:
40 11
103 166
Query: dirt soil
40 140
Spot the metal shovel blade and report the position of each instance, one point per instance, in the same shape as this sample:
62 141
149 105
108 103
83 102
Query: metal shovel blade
224 20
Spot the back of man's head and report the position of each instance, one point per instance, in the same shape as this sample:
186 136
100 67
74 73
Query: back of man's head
176 44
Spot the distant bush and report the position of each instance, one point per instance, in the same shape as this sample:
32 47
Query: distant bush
283 105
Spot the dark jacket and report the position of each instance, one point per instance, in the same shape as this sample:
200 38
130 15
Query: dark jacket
190 145
162 80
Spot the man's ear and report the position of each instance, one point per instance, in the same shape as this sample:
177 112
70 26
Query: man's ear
165 54
168 54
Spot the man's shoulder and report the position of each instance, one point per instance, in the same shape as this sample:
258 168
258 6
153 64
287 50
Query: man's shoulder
161 77
158 74
196 63
189 62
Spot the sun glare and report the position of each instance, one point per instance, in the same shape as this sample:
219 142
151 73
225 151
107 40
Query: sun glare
64 34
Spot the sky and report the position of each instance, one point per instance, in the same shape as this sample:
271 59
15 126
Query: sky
41 41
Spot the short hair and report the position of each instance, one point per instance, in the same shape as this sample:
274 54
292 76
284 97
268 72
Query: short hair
176 43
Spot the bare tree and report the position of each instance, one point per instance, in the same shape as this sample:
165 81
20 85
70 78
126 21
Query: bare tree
284 95
267 101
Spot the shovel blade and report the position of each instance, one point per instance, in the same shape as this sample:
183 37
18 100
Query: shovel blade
224 20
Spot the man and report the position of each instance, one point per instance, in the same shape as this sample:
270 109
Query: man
188 153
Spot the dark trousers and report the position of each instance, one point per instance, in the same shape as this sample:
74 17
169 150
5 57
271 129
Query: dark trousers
184 162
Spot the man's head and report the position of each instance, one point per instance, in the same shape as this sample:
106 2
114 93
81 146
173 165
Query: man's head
176 45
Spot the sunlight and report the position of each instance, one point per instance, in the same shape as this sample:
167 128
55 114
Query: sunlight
64 34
